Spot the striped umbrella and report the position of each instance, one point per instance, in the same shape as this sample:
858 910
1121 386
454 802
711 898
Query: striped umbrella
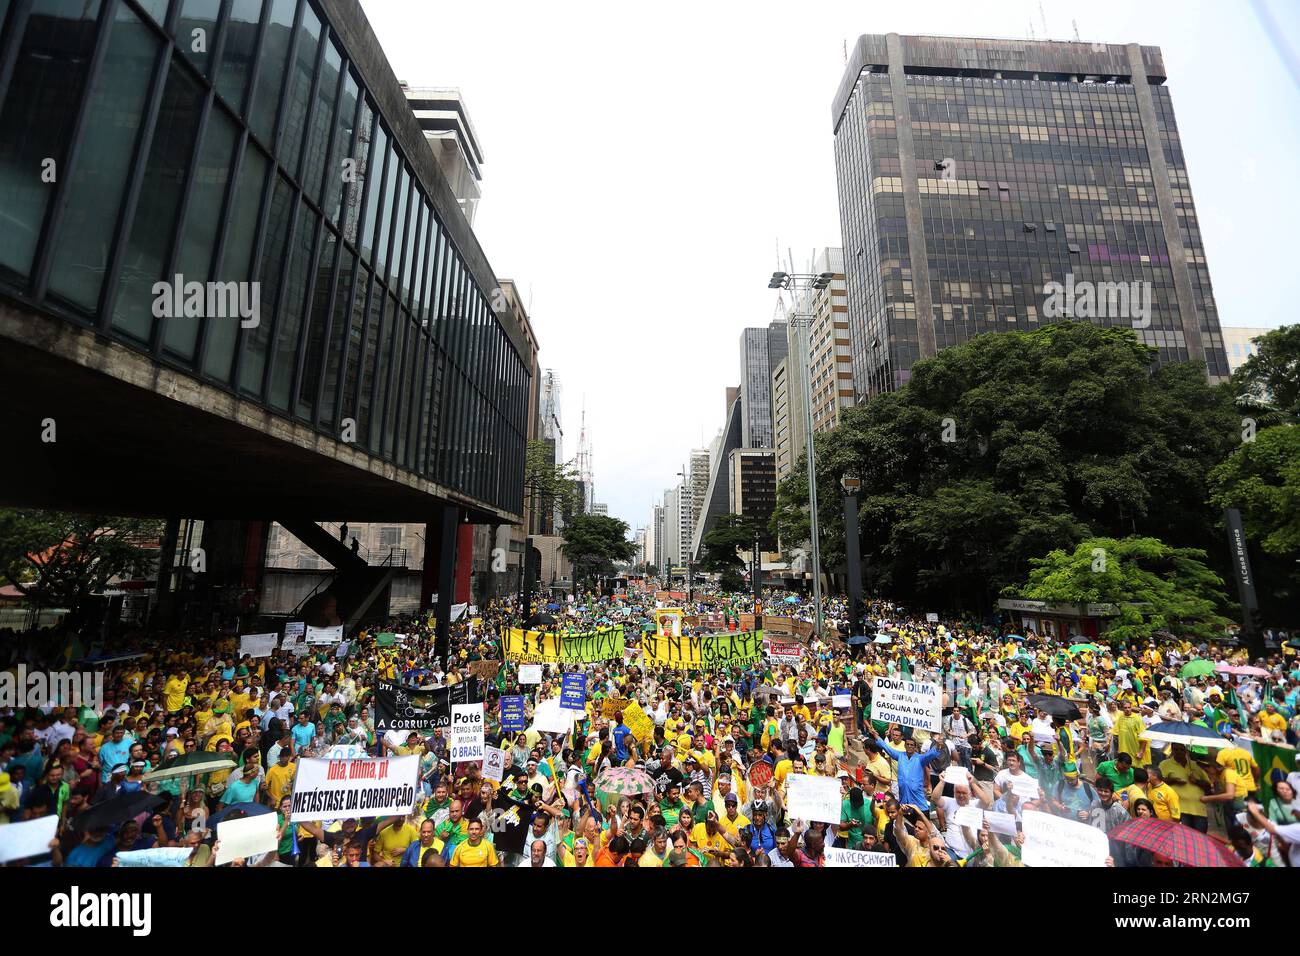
625 781
1176 841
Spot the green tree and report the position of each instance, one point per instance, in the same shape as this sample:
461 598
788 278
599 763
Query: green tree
1269 381
1013 444
1154 586
729 534
548 484
593 543
58 559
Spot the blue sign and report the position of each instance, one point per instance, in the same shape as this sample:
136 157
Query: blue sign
512 714
573 692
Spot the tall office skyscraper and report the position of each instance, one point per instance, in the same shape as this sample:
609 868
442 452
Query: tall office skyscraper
761 351
973 174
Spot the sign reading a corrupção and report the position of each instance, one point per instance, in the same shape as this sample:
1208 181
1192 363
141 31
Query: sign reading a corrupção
908 703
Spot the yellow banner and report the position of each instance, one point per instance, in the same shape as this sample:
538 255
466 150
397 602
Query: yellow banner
537 647
709 650
637 721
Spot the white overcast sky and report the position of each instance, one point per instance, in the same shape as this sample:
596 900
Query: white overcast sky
645 162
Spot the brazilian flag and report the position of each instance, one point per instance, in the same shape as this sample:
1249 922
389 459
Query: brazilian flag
1275 762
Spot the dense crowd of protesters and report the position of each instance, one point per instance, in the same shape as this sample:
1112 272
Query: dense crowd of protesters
714 771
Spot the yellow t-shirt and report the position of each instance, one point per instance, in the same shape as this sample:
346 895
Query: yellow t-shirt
174 693
701 840
1018 730
782 770
394 840
1165 799
1272 721
482 855
1189 794
1242 763
279 780
732 827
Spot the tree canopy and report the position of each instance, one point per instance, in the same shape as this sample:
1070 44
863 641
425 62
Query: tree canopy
593 543
1269 381
58 559
1012 445
1153 586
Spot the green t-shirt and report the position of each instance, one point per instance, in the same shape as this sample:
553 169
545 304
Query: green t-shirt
1112 773
858 818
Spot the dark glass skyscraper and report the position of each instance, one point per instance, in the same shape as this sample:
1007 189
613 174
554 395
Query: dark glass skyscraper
996 185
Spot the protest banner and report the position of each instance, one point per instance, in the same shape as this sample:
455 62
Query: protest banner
294 631
468 737
345 752
494 763
458 611
340 789
782 653
550 718
513 719
908 703
1023 786
573 691
485 670
245 837
969 816
760 774
324 635
841 699
813 798
530 674
839 856
669 621
637 721
612 705
258 645
579 647
385 639
932 618
398 707
712 650
1055 841
26 838
1004 823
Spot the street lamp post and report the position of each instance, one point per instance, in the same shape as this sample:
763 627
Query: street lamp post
801 320
852 555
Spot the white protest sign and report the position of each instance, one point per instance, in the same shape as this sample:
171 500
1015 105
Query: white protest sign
551 718
908 703
249 836
1023 786
932 618
1056 841
956 774
813 798
294 631
969 816
494 764
348 751
257 645
458 611
1004 823
842 701
839 856
467 737
324 635
26 838
530 674
339 789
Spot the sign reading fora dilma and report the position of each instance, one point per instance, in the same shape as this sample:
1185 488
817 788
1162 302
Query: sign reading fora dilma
908 703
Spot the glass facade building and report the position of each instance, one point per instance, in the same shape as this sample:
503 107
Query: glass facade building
237 141
761 351
974 174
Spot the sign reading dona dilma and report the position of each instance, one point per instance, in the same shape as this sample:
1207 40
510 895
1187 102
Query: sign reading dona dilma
908 703
339 789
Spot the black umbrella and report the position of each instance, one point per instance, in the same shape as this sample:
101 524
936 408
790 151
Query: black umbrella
122 807
540 619
1055 706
